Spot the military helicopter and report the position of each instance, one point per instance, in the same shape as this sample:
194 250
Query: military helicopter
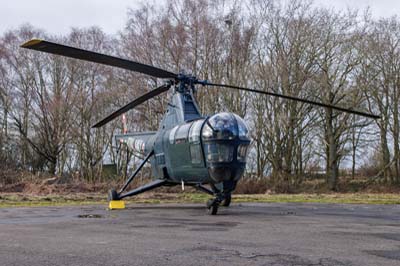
188 148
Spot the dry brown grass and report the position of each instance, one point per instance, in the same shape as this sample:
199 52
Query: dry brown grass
45 185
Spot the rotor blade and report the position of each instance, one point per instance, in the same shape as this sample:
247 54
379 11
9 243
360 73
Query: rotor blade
133 104
347 110
54 48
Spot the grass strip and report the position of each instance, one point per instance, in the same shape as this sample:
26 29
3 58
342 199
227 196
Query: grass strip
20 200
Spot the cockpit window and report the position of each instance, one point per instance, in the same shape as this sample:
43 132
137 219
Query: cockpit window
221 126
242 128
194 134
172 135
217 153
242 152
182 133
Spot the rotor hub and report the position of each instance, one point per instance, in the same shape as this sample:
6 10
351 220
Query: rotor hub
185 82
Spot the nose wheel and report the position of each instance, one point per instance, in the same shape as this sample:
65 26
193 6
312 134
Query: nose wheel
223 196
220 198
212 206
227 200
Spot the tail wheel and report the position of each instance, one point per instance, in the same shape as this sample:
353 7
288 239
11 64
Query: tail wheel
113 195
227 200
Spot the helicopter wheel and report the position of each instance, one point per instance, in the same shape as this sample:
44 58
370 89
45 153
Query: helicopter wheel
113 195
227 200
212 206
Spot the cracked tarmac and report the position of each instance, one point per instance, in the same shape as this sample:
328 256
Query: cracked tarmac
183 234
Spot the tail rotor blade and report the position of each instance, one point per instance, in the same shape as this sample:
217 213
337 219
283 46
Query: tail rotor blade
347 110
133 104
59 49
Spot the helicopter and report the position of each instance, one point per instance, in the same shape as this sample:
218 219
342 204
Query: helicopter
188 148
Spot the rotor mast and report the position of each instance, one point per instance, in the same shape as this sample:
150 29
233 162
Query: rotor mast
183 106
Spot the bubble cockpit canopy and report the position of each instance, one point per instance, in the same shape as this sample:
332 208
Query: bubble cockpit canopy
225 126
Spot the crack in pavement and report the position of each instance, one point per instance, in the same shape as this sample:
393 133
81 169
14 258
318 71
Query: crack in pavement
274 259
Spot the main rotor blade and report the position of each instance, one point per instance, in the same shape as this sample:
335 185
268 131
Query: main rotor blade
59 49
133 104
347 110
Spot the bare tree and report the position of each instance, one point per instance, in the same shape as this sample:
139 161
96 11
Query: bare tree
380 78
285 63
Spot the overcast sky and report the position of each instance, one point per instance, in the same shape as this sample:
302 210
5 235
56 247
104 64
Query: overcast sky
58 16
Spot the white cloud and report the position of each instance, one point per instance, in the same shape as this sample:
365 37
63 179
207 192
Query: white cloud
378 8
57 17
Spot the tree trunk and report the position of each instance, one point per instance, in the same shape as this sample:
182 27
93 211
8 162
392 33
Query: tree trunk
385 155
332 170
353 152
396 178
52 167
